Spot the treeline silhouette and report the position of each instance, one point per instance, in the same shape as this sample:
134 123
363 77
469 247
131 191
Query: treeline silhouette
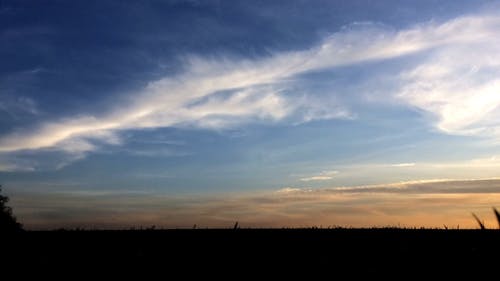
8 222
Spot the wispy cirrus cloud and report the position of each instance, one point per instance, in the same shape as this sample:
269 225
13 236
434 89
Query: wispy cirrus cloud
11 166
458 85
455 81
18 106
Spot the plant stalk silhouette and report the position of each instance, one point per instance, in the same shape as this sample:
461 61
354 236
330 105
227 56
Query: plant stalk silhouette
479 221
497 215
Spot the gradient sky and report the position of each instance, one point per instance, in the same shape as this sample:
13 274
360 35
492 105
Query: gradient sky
271 113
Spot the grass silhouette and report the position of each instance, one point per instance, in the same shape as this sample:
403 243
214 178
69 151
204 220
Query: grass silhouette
497 215
479 221
330 249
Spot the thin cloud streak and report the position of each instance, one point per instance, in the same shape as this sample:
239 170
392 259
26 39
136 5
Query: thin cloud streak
317 178
402 165
441 186
323 176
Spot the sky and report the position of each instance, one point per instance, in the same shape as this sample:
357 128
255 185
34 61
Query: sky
118 114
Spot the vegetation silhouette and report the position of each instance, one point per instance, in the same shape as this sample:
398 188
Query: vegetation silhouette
343 250
8 222
481 223
497 215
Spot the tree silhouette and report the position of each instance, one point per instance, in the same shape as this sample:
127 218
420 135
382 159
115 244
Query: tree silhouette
8 223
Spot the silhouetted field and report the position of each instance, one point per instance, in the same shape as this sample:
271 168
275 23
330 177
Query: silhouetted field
353 251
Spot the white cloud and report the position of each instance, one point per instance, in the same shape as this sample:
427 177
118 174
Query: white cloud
373 173
457 83
316 178
287 190
323 176
403 165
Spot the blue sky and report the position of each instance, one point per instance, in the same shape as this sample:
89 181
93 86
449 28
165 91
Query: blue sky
175 100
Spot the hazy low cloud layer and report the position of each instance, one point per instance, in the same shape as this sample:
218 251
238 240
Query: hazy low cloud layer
454 80
426 203
419 187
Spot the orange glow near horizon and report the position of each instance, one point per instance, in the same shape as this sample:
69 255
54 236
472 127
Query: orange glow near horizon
322 208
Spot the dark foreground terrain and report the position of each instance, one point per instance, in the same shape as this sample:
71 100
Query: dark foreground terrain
200 252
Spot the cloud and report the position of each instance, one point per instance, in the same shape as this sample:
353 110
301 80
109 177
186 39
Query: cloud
441 186
316 178
162 152
14 167
289 190
418 203
18 106
456 83
402 165
323 176
372 173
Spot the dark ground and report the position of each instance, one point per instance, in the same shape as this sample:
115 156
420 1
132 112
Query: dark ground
212 252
